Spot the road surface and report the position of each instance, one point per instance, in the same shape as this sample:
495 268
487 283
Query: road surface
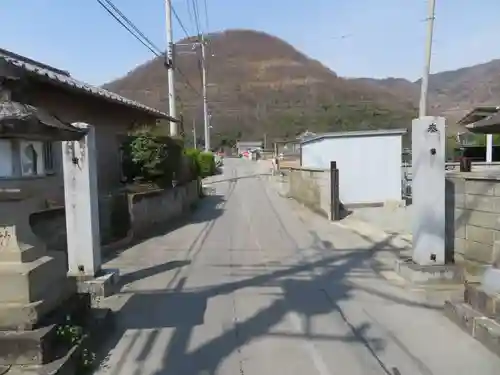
253 284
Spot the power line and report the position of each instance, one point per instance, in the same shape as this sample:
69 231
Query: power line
138 34
180 21
196 16
190 14
187 81
145 42
120 13
206 16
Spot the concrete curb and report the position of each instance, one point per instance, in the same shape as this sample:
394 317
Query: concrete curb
384 261
365 229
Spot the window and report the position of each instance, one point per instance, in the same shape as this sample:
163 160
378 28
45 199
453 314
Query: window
29 161
48 157
5 158
25 158
31 157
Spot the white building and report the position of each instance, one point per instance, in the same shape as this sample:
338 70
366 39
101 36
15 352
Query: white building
369 163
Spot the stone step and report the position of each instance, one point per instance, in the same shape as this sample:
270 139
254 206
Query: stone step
100 324
28 347
427 274
488 305
41 344
28 282
482 328
21 316
488 333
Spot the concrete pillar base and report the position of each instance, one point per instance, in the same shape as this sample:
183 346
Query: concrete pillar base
103 285
426 274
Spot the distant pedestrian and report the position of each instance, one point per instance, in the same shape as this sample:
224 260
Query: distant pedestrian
275 164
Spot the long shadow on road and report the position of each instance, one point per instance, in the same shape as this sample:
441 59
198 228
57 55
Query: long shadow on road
321 291
207 210
184 310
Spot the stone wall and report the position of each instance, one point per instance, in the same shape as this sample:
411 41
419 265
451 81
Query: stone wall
312 188
148 209
114 222
121 215
473 220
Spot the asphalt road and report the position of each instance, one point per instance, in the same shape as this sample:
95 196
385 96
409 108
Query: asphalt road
255 285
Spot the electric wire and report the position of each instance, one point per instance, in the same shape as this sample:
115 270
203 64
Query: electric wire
129 22
126 23
143 42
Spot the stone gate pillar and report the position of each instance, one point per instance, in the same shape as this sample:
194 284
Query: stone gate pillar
428 190
81 204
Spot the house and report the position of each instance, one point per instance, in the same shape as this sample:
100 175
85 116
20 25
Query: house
23 130
248 146
369 163
58 95
481 120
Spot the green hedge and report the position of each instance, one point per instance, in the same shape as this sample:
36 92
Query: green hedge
150 158
193 154
206 162
203 162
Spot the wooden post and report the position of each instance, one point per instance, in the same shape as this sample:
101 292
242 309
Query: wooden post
300 151
334 192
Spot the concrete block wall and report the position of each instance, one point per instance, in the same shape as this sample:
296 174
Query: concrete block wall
50 224
311 187
147 209
120 215
473 220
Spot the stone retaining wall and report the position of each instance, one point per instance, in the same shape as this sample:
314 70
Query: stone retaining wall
473 220
114 222
148 209
121 215
312 188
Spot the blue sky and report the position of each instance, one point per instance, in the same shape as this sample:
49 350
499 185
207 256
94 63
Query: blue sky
384 37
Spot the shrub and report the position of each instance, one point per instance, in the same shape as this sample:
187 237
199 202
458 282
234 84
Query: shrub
193 154
152 158
203 162
206 162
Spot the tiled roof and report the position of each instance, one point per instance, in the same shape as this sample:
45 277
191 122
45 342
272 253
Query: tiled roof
17 118
478 114
63 78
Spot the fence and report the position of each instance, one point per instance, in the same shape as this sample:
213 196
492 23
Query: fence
406 173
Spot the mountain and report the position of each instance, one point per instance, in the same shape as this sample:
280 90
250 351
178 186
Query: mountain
260 84
451 93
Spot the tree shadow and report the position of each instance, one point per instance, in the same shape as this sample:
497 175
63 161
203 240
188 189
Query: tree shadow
207 210
317 293
153 270
233 179
307 288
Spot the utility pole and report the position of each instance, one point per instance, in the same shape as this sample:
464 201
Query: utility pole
170 67
195 143
422 111
205 101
